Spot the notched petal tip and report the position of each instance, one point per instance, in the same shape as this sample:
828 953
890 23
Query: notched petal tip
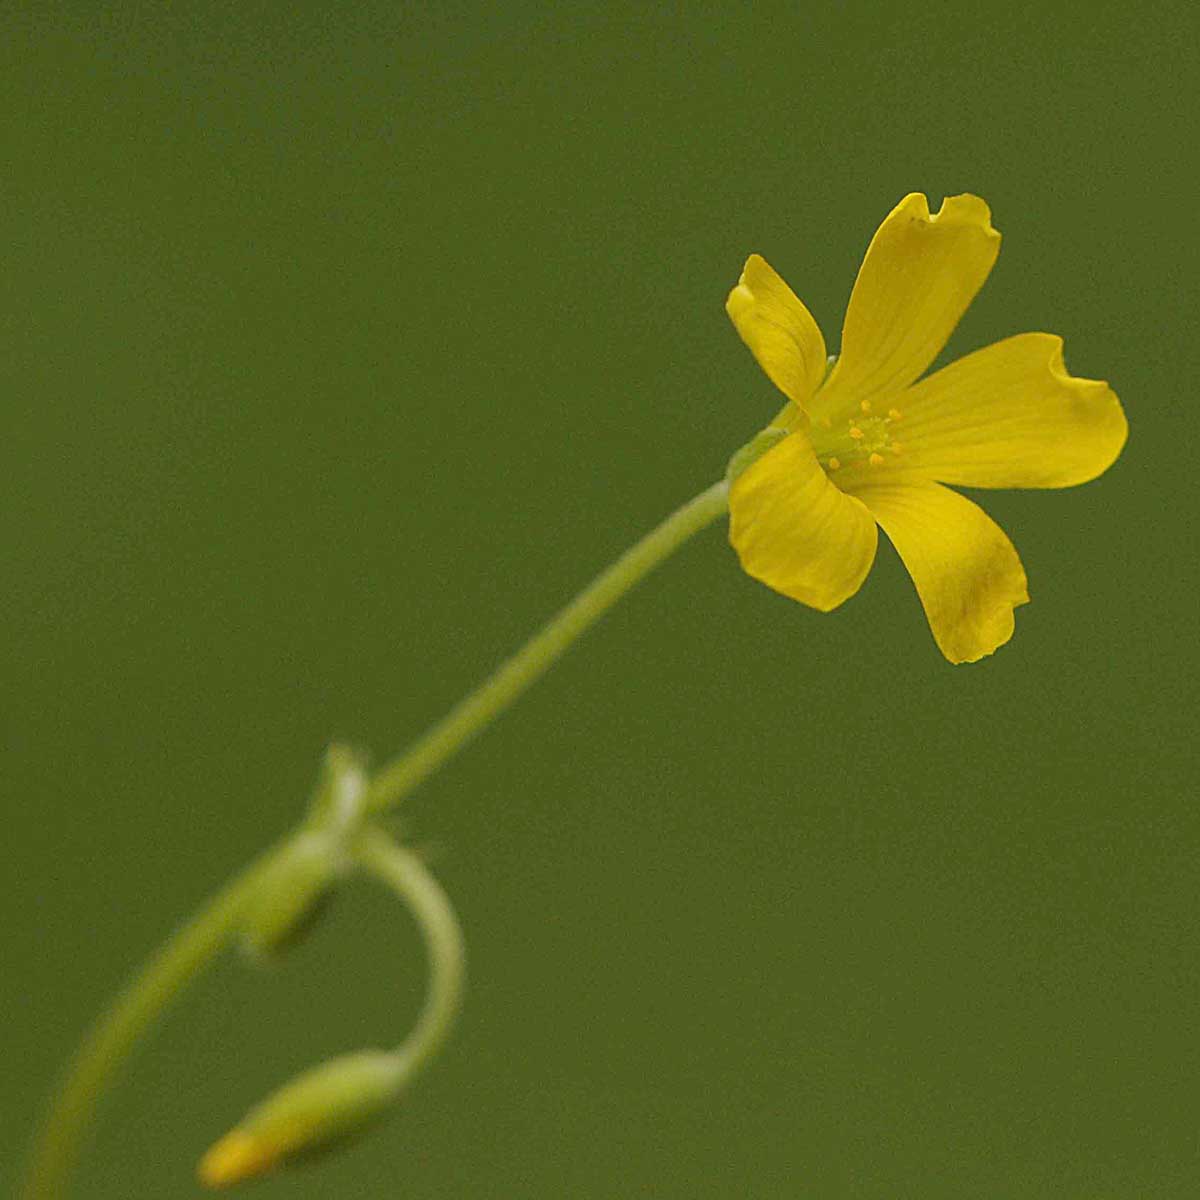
1011 415
1095 404
967 209
920 273
994 627
964 209
966 571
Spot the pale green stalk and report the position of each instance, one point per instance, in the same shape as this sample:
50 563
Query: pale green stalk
405 873
197 942
176 964
399 777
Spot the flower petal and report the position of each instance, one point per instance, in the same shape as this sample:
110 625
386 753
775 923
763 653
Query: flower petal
796 532
1010 416
967 573
779 330
919 275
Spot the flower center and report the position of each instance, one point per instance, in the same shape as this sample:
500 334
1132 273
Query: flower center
863 438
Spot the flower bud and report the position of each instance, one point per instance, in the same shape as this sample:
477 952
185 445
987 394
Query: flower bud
332 1102
299 885
291 897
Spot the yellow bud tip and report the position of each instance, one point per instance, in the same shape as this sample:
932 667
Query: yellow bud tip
894 413
856 433
834 463
236 1157
865 405
876 460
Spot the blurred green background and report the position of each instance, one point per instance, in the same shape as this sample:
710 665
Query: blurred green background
341 343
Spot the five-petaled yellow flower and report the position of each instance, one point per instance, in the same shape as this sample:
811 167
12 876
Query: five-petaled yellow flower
869 444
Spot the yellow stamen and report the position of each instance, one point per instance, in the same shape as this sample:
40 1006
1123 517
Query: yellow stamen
865 405
856 433
236 1157
876 460
834 463
894 413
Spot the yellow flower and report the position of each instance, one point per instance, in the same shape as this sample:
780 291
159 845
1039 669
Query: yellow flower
869 444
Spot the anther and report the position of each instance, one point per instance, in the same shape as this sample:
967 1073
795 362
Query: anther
856 433
865 405
876 460
894 413
834 463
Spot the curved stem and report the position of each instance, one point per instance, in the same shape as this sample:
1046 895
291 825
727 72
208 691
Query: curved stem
405 873
399 777
197 942
112 1037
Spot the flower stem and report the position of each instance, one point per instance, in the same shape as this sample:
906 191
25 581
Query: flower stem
190 949
405 873
183 956
398 778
